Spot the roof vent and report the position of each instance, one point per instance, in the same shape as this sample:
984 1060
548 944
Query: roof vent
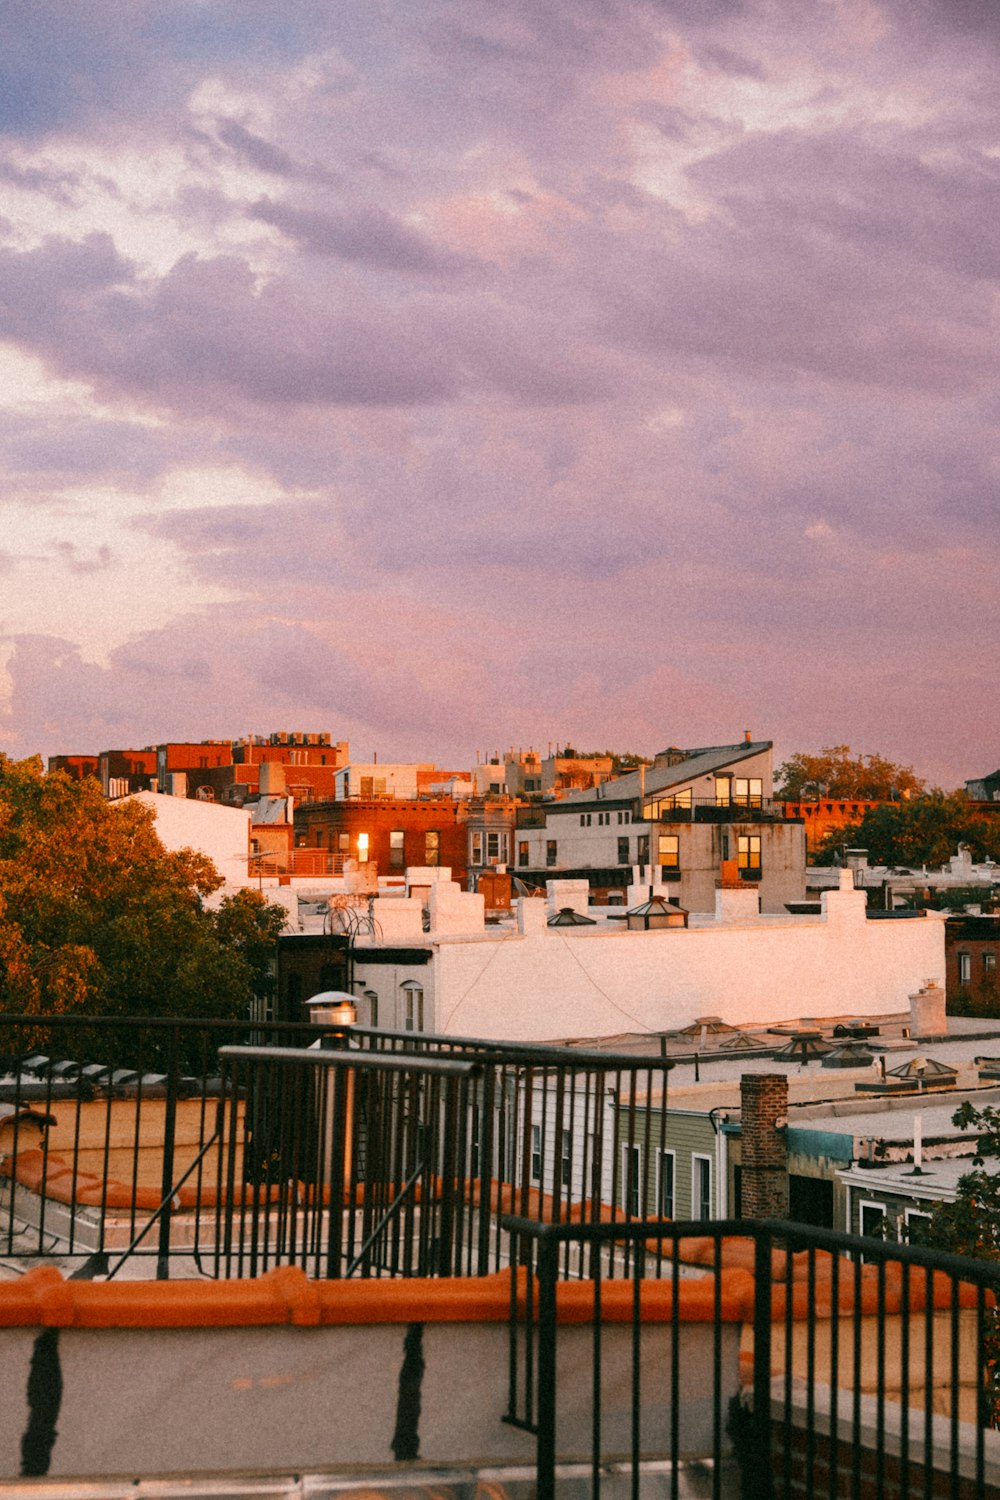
804 1047
567 917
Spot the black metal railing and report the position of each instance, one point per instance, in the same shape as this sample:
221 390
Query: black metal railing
103 1122
839 1366
206 1151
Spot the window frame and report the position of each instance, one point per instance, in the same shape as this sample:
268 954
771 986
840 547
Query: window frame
630 1186
662 1157
701 1163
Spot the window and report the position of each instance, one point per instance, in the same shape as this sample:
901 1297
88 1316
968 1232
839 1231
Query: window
870 1218
632 1180
489 847
663 807
367 787
432 847
642 849
915 1221
748 855
623 850
989 963
669 852
723 788
701 1187
397 859
551 852
413 1006
665 1195
363 847
748 791
564 1159
536 1153
964 968
344 843
522 854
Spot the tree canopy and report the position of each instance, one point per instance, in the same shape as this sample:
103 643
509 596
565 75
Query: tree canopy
837 772
920 831
97 918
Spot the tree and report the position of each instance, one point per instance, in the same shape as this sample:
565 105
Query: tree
970 1225
923 830
97 918
837 772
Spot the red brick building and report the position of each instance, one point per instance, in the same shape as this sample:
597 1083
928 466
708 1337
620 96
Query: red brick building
972 955
76 767
390 832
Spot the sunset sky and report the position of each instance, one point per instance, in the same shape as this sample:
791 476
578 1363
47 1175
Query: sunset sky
456 374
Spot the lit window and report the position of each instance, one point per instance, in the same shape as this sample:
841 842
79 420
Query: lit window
362 847
748 791
669 853
748 855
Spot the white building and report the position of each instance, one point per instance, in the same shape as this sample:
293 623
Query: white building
524 980
220 832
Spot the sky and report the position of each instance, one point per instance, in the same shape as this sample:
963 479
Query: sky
451 376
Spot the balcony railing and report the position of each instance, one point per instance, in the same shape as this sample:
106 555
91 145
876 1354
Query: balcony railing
803 1363
212 1139
709 810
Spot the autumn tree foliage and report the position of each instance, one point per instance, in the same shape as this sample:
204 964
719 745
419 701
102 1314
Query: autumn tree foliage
97 918
921 831
838 772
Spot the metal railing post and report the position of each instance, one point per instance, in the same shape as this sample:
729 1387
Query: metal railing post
167 1175
548 1266
760 1473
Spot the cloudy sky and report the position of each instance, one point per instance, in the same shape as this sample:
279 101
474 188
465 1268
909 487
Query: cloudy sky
453 374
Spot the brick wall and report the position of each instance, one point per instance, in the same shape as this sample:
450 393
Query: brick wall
763 1149
801 1471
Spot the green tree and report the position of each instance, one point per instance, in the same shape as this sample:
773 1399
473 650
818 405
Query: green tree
837 772
923 830
97 918
970 1225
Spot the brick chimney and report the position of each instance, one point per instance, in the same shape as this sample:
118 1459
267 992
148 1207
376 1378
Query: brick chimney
764 1154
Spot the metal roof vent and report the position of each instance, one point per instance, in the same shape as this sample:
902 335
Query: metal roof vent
567 917
804 1047
850 1055
922 1073
655 913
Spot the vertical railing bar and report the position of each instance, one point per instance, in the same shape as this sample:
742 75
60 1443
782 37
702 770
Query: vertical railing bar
955 1386
880 1382
546 1446
716 1369
762 1361
928 1383
675 1372
856 1332
834 1436
169 1134
786 1445
595 1385
635 1435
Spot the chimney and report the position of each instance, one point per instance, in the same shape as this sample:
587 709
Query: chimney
764 1154
748 737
